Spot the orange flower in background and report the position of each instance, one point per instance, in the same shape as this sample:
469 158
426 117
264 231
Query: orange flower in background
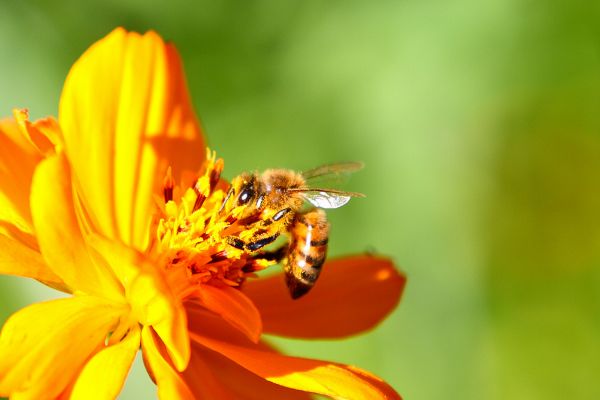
85 208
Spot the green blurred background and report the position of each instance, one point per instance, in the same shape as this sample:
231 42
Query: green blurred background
479 123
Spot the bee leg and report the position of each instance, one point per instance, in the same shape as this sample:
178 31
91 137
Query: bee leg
255 263
236 242
252 245
260 243
275 255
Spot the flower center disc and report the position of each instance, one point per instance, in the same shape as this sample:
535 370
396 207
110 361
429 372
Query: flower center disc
190 235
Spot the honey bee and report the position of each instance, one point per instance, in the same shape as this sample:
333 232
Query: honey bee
272 203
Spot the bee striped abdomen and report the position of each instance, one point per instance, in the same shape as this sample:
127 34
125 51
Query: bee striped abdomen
307 251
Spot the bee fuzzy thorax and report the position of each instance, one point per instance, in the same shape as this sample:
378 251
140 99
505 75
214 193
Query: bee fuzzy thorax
278 184
282 179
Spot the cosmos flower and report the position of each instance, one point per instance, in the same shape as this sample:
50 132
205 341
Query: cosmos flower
97 205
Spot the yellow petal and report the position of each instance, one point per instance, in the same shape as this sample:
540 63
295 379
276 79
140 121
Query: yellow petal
18 259
103 376
125 115
170 384
233 306
43 346
166 317
152 302
18 159
44 134
59 236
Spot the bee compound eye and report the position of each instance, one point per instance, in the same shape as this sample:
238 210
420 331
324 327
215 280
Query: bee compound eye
245 196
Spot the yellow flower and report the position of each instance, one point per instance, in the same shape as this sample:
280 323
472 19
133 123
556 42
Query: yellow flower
93 205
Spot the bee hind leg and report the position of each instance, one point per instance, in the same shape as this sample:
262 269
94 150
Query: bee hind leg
274 255
256 263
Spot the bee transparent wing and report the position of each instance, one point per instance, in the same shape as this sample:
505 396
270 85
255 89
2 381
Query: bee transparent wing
324 176
331 173
328 198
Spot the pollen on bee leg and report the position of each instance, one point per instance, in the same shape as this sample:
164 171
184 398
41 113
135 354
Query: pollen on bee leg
255 265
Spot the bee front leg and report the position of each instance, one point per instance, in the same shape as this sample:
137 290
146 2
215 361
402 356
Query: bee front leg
251 245
236 242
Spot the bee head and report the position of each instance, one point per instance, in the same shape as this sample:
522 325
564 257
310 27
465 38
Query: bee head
246 194
245 188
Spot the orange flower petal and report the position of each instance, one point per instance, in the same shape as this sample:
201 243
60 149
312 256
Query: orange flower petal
18 159
206 322
60 238
239 383
152 302
170 384
196 382
18 259
43 346
103 376
321 377
168 319
200 379
233 306
125 114
208 375
44 134
351 296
